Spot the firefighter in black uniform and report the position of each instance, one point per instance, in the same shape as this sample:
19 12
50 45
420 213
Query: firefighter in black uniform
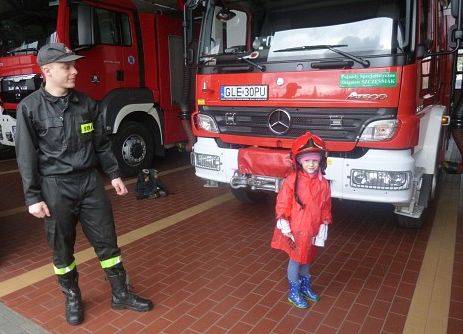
60 140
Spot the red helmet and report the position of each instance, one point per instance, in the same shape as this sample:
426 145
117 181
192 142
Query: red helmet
306 143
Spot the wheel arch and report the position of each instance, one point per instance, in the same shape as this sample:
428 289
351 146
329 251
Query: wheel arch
134 104
427 150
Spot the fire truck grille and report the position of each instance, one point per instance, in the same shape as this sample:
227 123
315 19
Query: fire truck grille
335 124
14 89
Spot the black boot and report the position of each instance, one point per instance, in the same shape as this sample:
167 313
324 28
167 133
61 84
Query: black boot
122 297
74 307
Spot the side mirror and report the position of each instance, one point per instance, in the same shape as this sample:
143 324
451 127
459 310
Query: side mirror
421 51
456 10
225 15
456 33
85 30
451 41
189 56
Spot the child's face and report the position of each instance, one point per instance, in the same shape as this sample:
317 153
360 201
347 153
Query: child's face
310 166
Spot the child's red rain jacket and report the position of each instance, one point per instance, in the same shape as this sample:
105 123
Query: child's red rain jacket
314 192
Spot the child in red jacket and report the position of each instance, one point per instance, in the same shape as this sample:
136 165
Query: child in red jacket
303 212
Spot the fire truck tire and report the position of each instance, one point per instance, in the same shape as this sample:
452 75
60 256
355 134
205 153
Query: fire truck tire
133 146
248 196
409 222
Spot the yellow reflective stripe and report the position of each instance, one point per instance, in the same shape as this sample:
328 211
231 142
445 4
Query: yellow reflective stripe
65 270
110 262
86 128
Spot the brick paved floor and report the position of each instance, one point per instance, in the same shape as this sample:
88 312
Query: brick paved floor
20 254
215 272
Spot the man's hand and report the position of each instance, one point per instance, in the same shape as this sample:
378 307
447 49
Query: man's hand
117 184
39 210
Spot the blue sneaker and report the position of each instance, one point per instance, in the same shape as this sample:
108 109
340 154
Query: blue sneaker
295 297
306 289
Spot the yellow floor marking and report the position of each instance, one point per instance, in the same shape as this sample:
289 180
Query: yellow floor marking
11 212
9 172
429 309
38 274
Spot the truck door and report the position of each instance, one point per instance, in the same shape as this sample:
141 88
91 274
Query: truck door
170 54
102 68
130 61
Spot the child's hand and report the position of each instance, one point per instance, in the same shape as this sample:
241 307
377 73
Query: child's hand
320 238
290 238
291 243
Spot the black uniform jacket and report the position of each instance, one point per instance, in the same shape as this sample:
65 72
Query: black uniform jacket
60 136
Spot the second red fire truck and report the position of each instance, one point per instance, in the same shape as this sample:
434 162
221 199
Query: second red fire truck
133 65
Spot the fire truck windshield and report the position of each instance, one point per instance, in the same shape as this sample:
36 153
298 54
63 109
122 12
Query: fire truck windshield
280 30
26 25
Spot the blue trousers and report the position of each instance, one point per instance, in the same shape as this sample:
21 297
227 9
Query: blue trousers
295 269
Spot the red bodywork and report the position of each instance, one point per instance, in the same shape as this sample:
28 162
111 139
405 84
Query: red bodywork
105 60
419 84
17 65
318 89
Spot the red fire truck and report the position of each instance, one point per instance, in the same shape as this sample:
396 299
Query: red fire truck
133 65
373 78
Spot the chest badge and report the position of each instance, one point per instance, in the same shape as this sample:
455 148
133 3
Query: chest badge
86 128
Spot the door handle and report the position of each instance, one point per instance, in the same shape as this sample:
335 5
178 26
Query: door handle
120 75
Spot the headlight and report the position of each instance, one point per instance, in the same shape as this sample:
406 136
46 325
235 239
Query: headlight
207 123
379 130
381 180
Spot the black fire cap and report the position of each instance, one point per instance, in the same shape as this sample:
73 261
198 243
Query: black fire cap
55 53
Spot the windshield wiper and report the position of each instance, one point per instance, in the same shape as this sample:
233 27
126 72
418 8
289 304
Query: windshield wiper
206 59
363 62
12 52
261 68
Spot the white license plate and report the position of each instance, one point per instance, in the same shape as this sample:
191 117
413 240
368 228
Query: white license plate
206 161
244 93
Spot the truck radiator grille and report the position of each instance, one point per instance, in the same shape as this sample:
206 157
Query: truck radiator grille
335 124
13 89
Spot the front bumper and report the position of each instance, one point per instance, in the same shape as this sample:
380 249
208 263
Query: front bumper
225 169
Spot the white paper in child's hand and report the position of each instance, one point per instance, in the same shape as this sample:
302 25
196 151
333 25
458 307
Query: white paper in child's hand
318 242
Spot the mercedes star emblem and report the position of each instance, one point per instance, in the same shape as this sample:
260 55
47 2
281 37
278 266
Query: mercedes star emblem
279 121
17 91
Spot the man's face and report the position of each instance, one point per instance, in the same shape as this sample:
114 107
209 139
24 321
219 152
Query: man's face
61 75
